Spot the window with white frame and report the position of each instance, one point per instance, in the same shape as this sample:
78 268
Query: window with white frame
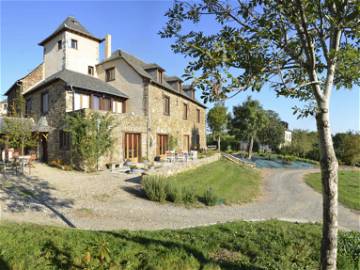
81 101
117 106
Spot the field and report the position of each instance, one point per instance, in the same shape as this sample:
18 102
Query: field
349 187
237 245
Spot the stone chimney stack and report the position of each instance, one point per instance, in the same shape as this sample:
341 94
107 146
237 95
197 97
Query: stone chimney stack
107 46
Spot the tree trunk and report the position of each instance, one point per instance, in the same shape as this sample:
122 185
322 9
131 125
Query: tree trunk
218 142
251 143
329 178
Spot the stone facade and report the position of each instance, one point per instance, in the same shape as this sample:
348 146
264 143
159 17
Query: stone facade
175 124
55 117
23 85
145 85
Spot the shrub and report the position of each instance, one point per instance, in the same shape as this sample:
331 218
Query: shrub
173 193
210 198
154 187
188 195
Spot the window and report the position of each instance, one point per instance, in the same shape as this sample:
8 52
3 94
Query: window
110 74
95 103
59 43
162 144
81 101
44 102
166 105
74 44
117 106
160 76
198 115
64 140
27 107
185 113
105 104
91 70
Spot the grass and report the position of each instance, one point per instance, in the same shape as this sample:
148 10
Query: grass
230 182
237 245
349 187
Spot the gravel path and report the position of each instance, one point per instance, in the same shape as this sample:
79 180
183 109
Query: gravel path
107 201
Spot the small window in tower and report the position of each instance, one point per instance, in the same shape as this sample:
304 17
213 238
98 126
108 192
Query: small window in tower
74 44
59 44
91 70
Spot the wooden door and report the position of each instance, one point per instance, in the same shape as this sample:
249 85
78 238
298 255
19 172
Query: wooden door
162 142
44 147
186 143
132 147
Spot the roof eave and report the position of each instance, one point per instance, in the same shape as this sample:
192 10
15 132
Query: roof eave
15 83
179 94
43 42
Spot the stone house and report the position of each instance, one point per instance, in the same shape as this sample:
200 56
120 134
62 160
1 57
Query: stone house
148 105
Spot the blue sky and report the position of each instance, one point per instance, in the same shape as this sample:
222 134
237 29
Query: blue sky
134 26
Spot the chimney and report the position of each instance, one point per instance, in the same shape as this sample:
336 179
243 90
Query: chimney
107 46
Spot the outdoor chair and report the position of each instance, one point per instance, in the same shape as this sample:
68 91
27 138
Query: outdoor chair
181 156
193 155
170 156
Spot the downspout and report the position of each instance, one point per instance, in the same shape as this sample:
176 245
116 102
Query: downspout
147 114
73 96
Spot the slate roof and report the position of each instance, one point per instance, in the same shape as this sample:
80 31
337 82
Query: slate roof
71 24
140 67
152 66
172 78
79 80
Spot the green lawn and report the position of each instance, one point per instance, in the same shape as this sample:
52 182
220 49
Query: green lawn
238 245
231 182
349 187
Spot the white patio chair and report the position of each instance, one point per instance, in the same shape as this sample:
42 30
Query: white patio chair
170 156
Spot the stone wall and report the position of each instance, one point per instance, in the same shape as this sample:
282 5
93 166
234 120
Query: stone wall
125 123
179 167
33 77
55 116
26 82
174 124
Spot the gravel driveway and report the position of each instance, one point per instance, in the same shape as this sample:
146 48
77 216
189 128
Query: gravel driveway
108 201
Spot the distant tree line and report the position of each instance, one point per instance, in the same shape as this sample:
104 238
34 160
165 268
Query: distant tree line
248 123
305 144
252 124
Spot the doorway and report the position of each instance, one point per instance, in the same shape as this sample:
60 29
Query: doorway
132 147
162 142
44 147
186 143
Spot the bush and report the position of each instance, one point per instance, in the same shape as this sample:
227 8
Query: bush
188 195
154 187
173 193
210 198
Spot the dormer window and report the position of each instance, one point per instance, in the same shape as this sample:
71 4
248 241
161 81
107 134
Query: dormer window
59 44
160 76
74 44
110 74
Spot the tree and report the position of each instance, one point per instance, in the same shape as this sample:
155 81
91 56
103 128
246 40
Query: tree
17 133
301 48
347 147
248 120
91 137
303 144
273 133
217 120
